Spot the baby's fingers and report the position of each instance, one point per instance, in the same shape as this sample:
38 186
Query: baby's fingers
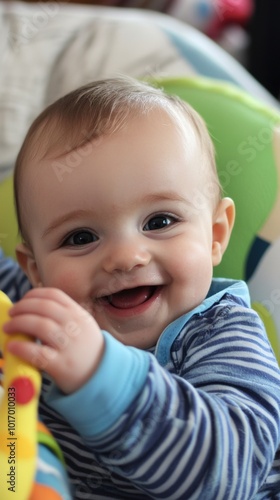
53 294
37 327
44 308
39 356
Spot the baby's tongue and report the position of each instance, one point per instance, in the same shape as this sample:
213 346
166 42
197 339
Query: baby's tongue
131 297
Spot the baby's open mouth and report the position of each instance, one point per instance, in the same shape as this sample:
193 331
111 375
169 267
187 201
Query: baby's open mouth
130 297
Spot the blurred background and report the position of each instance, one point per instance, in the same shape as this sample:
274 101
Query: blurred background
247 29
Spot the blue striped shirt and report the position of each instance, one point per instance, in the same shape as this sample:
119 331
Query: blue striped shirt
197 419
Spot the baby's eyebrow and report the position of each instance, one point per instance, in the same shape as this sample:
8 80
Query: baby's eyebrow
165 196
78 214
68 217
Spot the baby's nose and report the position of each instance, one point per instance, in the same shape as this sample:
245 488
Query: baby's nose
125 256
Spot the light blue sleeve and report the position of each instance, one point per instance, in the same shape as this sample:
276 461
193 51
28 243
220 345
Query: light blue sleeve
212 426
127 367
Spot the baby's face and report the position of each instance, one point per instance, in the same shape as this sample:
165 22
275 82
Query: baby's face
123 227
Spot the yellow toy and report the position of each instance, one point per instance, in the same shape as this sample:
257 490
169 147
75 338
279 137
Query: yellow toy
30 460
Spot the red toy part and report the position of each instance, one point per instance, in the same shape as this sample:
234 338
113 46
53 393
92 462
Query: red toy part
24 390
229 12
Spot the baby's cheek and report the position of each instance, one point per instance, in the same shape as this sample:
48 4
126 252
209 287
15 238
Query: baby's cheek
194 274
67 281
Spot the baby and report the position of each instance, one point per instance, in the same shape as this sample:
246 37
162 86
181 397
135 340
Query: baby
163 382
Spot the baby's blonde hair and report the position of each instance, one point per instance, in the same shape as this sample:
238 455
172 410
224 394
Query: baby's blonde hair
101 108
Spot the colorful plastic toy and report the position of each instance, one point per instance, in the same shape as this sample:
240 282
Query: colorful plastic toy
31 463
212 16
222 20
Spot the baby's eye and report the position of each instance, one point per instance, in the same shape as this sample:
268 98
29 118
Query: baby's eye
157 222
80 238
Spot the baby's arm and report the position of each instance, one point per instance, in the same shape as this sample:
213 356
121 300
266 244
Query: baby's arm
71 344
211 431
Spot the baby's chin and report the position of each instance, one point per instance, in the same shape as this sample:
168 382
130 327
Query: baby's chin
141 338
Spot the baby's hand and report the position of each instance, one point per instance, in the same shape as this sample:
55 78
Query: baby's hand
71 345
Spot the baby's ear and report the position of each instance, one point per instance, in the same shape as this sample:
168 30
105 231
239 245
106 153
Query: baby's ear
223 222
28 264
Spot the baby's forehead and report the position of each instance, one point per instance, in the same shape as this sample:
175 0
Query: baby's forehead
56 137
57 146
61 132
